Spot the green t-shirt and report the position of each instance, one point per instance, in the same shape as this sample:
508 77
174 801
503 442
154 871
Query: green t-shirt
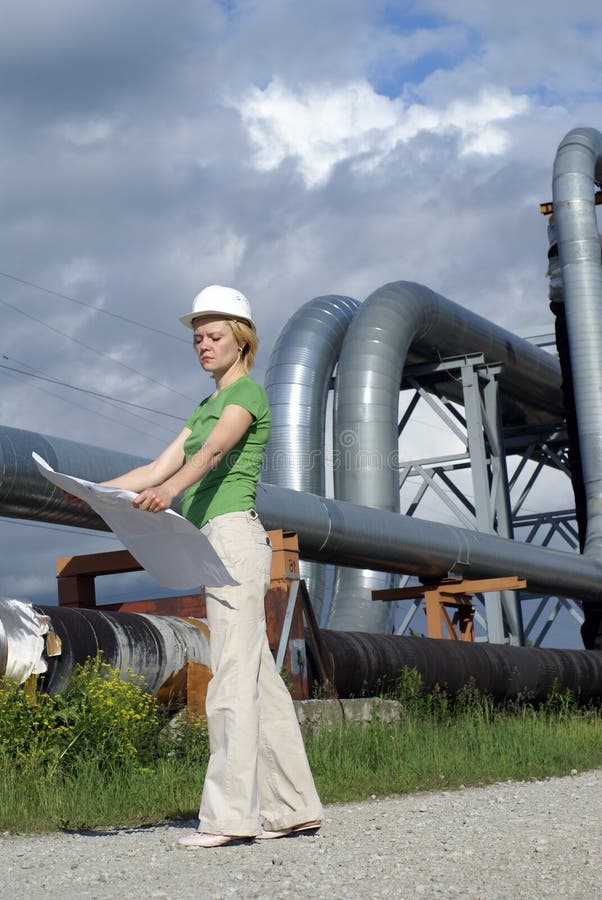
231 485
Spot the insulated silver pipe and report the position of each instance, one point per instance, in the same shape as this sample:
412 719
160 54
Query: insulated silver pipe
297 383
577 168
350 535
330 531
405 321
25 495
158 648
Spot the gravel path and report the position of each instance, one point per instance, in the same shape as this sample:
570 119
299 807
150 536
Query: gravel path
511 840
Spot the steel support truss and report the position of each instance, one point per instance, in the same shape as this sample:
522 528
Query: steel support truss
476 491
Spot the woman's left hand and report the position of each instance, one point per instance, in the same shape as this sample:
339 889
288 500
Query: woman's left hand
71 498
155 499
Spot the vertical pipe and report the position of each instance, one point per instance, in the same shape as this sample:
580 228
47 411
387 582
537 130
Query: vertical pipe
578 166
297 383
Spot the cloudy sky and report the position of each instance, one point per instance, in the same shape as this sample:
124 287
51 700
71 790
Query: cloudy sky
290 149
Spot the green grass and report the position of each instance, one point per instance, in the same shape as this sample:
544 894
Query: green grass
425 753
103 755
91 799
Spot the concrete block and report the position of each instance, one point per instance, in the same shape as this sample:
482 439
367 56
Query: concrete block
315 714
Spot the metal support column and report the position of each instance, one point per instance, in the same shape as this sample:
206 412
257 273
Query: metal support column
490 484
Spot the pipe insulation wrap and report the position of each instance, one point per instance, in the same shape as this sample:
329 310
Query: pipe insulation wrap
22 631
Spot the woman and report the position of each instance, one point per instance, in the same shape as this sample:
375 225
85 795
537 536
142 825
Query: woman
258 781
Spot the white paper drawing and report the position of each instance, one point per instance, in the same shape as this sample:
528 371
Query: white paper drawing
167 545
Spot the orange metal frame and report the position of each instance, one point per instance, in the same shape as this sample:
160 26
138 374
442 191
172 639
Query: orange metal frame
451 594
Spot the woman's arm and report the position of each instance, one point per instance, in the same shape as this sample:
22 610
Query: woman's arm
155 472
231 426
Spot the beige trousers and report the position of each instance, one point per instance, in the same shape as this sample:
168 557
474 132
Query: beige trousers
258 774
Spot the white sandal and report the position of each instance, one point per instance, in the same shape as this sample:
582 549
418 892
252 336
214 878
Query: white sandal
309 827
205 839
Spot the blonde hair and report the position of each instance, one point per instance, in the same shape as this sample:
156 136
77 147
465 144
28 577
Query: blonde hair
248 340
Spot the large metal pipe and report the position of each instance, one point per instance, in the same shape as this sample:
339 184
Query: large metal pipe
329 530
157 648
400 320
350 535
25 495
363 664
577 168
297 383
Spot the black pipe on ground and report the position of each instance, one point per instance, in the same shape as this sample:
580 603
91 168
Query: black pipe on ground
363 664
156 648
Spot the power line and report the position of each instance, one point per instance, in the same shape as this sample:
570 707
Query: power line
52 380
105 312
96 413
115 405
93 349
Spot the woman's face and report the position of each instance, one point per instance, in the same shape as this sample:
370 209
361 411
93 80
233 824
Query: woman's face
215 344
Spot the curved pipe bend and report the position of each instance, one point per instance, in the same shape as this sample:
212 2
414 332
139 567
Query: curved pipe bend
404 321
297 383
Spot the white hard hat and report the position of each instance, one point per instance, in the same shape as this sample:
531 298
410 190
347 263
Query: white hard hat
216 300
